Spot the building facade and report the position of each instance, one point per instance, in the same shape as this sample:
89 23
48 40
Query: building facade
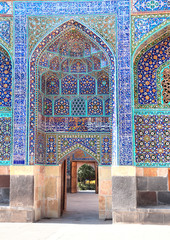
90 77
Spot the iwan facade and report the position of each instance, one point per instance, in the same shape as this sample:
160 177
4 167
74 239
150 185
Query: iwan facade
90 77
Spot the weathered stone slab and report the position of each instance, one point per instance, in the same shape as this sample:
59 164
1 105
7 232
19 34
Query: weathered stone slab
146 198
22 191
157 184
124 192
163 197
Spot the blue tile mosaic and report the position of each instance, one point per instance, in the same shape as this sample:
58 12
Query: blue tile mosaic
150 5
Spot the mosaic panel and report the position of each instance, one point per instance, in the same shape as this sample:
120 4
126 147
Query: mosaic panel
5 79
78 67
87 85
150 5
152 140
41 148
78 107
78 124
69 85
5 31
144 26
125 154
45 41
166 85
51 150
47 106
5 140
89 143
147 88
54 64
107 107
106 152
6 8
95 106
44 61
52 85
40 102
103 84
104 25
41 122
61 106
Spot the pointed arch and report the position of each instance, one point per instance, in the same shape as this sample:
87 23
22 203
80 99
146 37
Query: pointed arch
152 67
36 55
76 147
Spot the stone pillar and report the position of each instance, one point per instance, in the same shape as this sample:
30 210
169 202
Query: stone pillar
39 192
4 184
105 192
22 193
123 192
53 191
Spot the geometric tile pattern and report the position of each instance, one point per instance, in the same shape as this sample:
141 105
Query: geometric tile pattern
148 73
166 85
103 84
95 106
47 106
5 79
87 84
5 31
152 140
5 140
144 26
107 107
52 85
6 8
22 10
146 70
61 106
89 143
40 148
78 124
69 85
124 85
78 107
149 6
106 150
51 149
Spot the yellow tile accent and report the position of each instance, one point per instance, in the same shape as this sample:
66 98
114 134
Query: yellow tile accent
53 171
21 170
104 173
123 171
162 172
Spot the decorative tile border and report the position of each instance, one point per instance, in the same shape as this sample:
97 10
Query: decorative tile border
124 84
150 5
6 33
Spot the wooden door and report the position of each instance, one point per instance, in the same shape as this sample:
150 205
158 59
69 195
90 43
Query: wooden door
73 177
63 186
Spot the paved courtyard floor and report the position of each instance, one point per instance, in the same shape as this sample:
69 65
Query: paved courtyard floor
80 222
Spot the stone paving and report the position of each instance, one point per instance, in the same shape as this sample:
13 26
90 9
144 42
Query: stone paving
81 222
